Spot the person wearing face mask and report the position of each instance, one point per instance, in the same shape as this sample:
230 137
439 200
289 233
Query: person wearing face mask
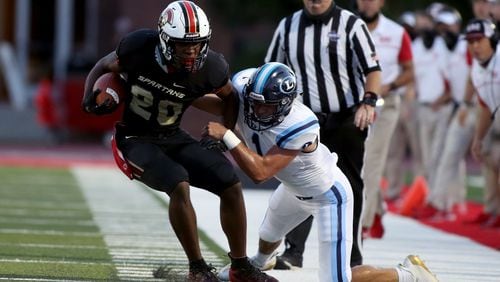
394 47
337 68
407 20
447 185
449 22
434 108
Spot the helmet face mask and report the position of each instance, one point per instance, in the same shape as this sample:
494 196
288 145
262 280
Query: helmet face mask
269 95
183 23
187 55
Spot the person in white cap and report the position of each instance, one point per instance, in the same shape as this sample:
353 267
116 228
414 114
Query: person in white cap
435 8
448 184
434 107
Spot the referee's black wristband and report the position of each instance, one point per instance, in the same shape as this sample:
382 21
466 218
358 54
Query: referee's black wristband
370 99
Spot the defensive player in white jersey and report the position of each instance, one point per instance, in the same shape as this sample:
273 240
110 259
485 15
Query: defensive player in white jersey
281 138
483 38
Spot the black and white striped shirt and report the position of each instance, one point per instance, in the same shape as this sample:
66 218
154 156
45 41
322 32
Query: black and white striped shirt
330 57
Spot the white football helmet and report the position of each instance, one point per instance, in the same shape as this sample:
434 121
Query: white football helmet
184 22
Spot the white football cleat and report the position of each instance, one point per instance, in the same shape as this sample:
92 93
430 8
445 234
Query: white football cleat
417 267
223 274
270 263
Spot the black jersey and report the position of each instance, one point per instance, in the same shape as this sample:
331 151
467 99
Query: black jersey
159 98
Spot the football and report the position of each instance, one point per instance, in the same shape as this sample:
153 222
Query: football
112 87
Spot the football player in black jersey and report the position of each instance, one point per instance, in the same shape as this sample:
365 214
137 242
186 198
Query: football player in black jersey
166 71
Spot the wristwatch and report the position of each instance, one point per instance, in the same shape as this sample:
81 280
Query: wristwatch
370 99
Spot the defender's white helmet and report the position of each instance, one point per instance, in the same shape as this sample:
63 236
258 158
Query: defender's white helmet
185 22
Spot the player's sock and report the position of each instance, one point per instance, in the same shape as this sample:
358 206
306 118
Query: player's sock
260 259
404 275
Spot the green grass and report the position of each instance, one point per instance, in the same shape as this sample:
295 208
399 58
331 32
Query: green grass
475 194
46 228
57 270
62 239
51 253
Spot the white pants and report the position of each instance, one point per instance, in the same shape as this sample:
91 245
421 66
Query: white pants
376 151
405 137
432 131
333 211
449 187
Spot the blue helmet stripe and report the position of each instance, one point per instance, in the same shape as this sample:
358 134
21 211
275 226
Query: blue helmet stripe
263 76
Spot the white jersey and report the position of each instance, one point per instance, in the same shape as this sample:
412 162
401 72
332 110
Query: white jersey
486 80
430 69
392 49
308 174
458 70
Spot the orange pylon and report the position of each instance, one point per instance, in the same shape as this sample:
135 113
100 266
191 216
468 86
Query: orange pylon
415 197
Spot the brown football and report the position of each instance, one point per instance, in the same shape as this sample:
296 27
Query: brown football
112 87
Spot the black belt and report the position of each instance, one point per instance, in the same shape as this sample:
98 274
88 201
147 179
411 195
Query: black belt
304 198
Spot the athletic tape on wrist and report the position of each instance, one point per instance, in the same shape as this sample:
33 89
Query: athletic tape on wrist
230 139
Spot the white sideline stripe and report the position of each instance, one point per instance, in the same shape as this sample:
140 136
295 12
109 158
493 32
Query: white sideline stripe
52 246
53 261
135 226
136 274
141 255
132 269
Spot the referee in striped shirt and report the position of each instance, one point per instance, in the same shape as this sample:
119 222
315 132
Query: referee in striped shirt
337 69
